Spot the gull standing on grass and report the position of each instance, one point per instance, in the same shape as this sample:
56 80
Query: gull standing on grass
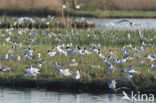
77 75
65 72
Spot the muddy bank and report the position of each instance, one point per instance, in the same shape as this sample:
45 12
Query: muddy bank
77 86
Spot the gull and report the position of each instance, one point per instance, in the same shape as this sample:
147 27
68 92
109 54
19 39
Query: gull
128 58
149 57
129 68
143 44
10 51
7 39
100 55
27 57
65 72
106 63
140 34
64 6
30 71
68 50
136 56
93 45
94 50
135 49
76 50
3 43
39 55
111 68
37 66
24 50
95 66
142 63
153 67
128 36
61 51
4 68
30 52
5 57
128 76
141 49
129 46
51 53
125 53
86 51
110 58
123 60
118 62
112 84
129 22
111 53
73 62
132 71
77 75
56 66
77 6
15 57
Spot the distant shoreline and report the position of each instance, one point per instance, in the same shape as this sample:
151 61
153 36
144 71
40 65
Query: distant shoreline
81 13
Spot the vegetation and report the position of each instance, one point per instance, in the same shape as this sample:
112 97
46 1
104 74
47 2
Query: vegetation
95 8
49 22
92 78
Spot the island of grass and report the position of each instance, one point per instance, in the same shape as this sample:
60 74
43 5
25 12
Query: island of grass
94 74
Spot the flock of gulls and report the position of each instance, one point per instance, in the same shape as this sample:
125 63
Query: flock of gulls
128 53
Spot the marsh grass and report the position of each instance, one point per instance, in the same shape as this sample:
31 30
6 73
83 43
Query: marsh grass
109 40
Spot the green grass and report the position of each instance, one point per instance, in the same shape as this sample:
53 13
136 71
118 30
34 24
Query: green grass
115 13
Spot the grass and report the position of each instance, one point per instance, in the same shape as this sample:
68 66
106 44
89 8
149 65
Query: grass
114 13
93 8
50 22
109 40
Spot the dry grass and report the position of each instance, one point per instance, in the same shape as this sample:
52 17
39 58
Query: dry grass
30 4
136 4
86 4
120 4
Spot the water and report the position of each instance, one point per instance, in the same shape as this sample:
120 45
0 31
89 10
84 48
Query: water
42 96
111 23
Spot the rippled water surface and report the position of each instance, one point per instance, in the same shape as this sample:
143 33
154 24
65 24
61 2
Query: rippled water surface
112 23
41 96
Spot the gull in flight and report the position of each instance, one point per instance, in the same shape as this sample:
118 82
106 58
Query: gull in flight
64 6
129 22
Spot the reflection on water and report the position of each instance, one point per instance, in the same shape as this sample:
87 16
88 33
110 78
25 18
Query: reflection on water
111 23
36 96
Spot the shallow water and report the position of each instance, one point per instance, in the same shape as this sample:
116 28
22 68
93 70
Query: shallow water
111 23
42 96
